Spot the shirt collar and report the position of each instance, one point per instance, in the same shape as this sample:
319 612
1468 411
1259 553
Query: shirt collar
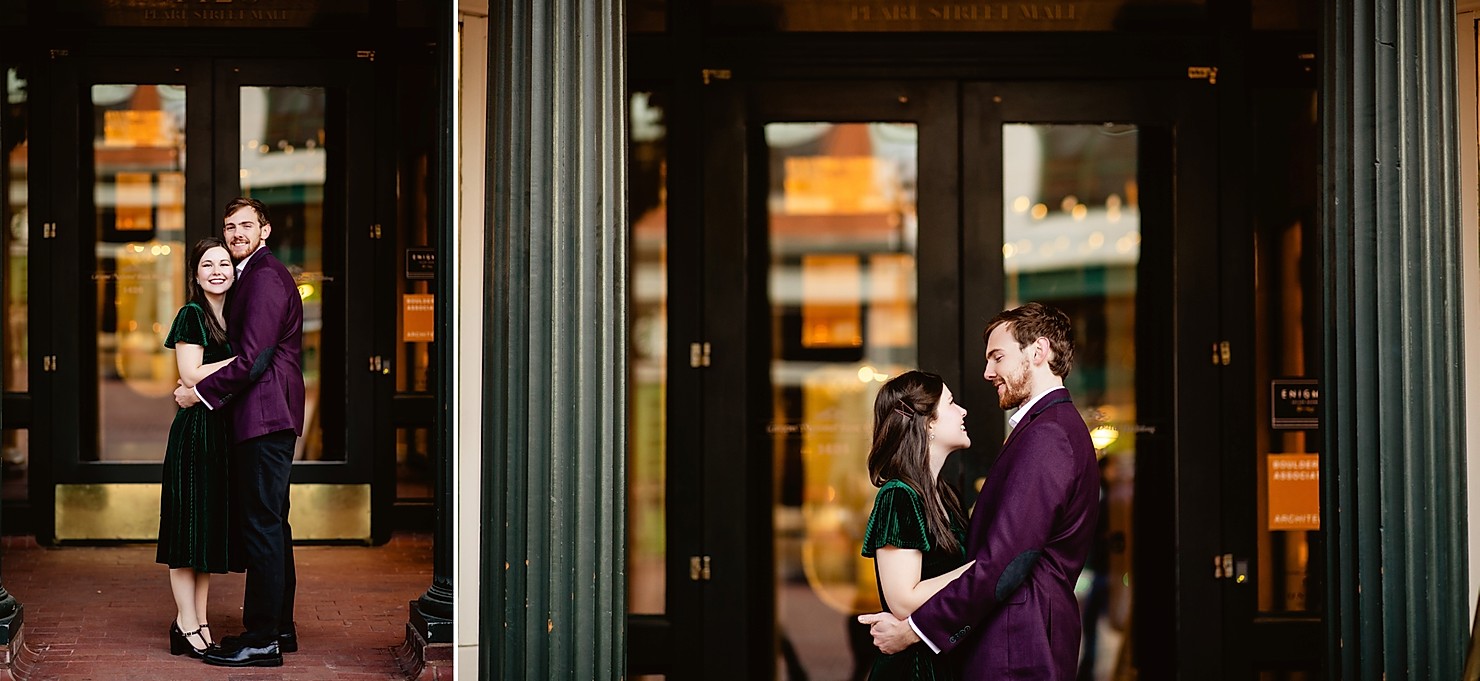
243 264
1027 407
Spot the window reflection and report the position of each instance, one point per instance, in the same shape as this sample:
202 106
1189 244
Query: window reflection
138 272
15 237
285 155
843 225
1071 239
647 208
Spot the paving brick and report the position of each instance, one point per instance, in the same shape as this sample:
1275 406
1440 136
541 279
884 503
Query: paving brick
102 613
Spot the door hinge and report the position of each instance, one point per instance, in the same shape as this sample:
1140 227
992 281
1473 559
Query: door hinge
379 365
1221 354
699 568
375 231
365 54
1208 73
48 230
711 75
698 355
1228 567
49 363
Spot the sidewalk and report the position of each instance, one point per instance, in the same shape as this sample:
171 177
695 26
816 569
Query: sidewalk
102 613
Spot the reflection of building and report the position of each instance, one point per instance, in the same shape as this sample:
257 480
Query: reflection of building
1182 177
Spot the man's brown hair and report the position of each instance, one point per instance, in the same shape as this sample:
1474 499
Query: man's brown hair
241 202
1036 320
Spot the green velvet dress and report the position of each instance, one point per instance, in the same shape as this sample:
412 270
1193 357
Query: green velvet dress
194 497
898 520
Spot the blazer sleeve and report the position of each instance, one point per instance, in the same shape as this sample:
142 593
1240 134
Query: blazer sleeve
1034 492
257 341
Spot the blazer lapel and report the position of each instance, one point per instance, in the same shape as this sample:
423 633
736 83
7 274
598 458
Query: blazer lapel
1056 397
233 309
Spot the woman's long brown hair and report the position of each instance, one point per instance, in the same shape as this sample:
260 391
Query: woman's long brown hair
903 411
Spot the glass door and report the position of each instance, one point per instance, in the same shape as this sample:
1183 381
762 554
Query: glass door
1098 200
854 231
298 136
849 275
127 162
146 154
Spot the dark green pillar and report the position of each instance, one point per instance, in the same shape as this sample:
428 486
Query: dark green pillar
552 590
1395 469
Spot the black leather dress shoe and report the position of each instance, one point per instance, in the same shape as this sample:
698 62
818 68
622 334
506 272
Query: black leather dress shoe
288 641
239 653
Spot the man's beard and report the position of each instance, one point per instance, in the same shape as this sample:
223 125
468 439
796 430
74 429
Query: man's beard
1016 388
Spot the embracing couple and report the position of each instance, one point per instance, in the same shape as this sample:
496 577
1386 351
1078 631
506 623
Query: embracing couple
224 500
995 601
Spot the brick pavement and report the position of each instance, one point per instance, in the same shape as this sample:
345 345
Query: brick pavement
102 613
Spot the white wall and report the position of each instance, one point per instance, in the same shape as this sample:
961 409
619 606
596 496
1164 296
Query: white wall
471 69
1469 137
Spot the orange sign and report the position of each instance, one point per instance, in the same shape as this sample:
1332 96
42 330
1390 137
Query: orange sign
418 320
1294 491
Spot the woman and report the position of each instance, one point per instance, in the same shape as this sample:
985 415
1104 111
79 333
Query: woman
193 503
915 533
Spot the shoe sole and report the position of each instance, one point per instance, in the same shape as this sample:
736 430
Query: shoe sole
254 663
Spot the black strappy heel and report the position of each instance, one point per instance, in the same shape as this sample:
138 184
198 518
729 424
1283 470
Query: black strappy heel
180 642
209 644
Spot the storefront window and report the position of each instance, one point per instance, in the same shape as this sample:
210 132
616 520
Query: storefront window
844 227
1288 361
647 360
284 159
1072 239
139 262
416 285
15 237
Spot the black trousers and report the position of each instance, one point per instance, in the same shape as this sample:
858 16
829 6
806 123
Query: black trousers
260 468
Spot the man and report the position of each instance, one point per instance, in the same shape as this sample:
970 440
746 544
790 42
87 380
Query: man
264 388
1013 613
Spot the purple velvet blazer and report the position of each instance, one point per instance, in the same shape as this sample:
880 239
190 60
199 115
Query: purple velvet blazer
1013 614
263 387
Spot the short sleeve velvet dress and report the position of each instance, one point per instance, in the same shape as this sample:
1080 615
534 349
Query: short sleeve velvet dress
194 498
898 520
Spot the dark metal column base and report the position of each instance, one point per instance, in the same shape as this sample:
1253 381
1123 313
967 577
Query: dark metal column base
422 657
17 661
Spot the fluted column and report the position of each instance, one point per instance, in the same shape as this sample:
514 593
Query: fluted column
1395 439
552 598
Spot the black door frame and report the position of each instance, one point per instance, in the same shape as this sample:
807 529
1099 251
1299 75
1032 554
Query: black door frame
958 149
60 151
1177 503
